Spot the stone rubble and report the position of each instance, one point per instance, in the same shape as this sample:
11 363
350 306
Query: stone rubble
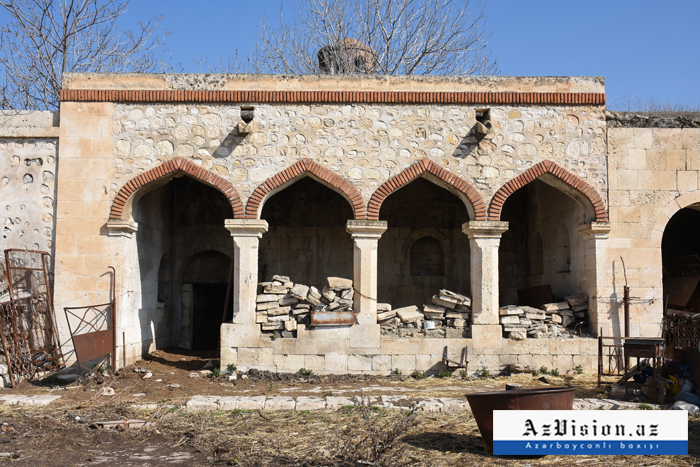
283 305
449 313
522 322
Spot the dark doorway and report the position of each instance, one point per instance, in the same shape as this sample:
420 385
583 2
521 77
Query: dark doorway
208 305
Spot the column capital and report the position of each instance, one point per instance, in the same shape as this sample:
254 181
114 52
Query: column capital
246 227
121 228
366 228
484 229
597 230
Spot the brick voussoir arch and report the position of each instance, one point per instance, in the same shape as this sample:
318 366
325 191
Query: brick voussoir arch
177 164
551 168
416 170
297 170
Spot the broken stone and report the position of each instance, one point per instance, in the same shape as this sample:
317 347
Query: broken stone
381 307
455 333
271 319
510 310
580 314
566 313
567 320
447 304
514 328
283 310
457 323
409 314
577 299
266 306
314 292
348 294
535 316
275 326
262 298
525 321
386 315
327 295
281 279
194 375
313 300
510 320
287 300
556 318
463 308
275 289
107 391
582 307
460 299
338 283
299 291
555 306
261 317
517 335
290 325
148 375
535 334
300 311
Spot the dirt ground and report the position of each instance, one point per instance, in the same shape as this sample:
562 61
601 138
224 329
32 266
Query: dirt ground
66 432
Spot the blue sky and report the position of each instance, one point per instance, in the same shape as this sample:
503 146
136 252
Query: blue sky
644 49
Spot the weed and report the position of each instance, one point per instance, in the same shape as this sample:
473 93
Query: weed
270 387
305 372
418 374
303 412
544 370
444 374
376 438
397 371
328 394
231 368
579 369
463 374
235 461
555 372
215 373
484 372
645 407
240 411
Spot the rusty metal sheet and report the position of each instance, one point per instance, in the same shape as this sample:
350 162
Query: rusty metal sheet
678 290
535 296
93 345
332 318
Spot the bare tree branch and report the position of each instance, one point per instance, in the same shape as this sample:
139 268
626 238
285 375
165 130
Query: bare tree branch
46 38
442 37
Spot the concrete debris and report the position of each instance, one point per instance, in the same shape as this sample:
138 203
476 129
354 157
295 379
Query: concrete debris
283 305
521 322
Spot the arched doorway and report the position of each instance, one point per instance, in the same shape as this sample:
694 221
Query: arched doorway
177 220
680 251
423 249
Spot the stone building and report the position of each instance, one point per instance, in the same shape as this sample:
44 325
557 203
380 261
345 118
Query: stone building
406 185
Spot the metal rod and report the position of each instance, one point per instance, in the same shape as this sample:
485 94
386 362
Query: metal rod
123 349
114 317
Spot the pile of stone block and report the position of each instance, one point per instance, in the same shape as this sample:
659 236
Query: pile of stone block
552 320
283 304
449 314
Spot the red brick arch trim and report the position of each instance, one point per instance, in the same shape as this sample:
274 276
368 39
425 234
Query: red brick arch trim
177 164
416 170
297 170
552 168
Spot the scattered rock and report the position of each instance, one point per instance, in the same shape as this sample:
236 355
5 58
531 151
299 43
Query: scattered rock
107 391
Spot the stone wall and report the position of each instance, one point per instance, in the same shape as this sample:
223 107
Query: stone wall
653 174
28 151
365 144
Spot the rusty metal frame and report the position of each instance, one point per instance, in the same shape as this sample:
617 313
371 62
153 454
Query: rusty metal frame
614 355
29 349
101 340
681 331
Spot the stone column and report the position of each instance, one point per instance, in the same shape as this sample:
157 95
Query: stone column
484 239
242 332
365 234
596 272
246 234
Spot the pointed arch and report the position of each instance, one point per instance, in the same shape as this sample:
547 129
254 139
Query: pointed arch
433 172
298 170
548 167
121 206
